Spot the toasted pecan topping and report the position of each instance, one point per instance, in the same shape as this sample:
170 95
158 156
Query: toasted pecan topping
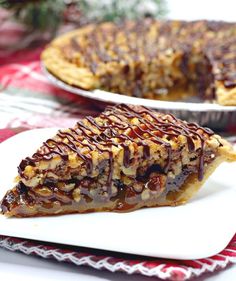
152 59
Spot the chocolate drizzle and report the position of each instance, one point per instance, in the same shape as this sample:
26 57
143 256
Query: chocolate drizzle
134 46
115 123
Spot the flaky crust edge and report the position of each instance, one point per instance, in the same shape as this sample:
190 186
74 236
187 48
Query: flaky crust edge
224 96
55 62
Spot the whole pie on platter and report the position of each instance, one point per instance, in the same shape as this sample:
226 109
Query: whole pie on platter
167 60
127 158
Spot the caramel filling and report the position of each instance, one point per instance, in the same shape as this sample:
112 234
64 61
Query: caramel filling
88 191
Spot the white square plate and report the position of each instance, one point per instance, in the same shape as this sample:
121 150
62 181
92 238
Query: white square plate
201 228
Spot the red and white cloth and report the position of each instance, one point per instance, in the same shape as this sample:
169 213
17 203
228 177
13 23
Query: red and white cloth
28 99
174 270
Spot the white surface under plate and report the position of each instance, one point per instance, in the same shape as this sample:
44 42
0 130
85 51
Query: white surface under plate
201 228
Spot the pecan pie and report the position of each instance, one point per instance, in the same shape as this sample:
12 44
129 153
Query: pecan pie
165 60
126 158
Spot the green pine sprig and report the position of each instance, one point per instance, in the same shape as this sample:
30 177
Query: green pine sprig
47 15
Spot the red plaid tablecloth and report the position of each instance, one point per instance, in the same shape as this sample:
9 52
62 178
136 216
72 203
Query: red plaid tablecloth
28 100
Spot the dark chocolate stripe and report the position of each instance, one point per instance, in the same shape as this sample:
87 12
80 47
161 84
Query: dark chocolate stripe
115 122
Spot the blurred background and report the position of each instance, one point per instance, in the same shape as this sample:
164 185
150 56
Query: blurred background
201 9
36 21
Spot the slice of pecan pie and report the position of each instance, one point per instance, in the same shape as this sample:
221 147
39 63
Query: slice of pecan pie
126 158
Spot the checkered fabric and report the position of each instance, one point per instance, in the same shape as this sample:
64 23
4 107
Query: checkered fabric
175 270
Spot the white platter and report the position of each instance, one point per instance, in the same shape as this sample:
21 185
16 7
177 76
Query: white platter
206 114
201 228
